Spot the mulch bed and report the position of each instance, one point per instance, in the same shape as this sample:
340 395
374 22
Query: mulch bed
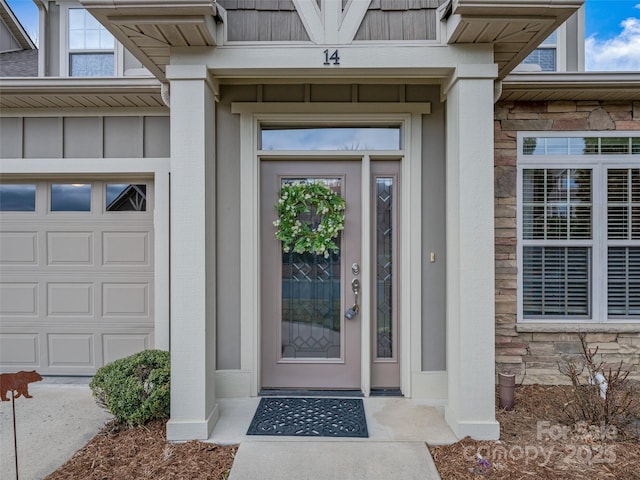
538 442
143 453
527 450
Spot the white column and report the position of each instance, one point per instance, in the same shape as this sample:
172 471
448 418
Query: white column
194 411
470 253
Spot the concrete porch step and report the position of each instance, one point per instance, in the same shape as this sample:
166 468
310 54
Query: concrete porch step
329 460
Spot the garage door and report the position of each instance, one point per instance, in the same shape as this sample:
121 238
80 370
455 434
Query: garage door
76 273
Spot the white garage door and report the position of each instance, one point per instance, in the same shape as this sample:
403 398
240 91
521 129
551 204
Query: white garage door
76 273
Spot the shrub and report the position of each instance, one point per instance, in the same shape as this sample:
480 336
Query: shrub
601 394
135 389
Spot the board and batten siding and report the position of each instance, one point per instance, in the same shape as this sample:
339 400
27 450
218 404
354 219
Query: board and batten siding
85 137
8 43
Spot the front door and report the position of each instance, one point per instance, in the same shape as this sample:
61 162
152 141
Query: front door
307 341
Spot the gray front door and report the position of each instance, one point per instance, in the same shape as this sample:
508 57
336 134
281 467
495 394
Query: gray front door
306 341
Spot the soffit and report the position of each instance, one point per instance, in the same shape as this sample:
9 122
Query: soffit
49 92
614 86
515 28
150 29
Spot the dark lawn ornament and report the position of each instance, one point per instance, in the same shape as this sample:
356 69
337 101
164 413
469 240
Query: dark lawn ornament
17 382
18 385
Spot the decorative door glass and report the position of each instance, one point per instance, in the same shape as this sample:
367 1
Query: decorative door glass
311 293
384 266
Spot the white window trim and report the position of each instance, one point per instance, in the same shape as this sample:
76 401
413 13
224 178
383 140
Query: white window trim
560 47
598 164
118 50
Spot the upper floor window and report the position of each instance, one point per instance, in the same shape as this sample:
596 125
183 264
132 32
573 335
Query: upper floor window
91 46
545 55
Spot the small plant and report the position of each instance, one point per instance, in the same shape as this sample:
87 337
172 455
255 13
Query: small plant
601 395
135 389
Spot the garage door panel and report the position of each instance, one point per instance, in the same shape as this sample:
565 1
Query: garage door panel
18 248
125 299
71 350
126 248
70 248
76 287
19 299
70 299
20 349
119 345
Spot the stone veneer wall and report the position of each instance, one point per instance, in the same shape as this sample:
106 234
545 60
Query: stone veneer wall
535 355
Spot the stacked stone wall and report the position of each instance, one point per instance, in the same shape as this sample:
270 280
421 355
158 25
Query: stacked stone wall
537 356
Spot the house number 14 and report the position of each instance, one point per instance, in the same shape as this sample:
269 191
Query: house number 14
332 58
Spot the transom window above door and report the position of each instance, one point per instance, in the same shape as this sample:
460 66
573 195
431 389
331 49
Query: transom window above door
306 138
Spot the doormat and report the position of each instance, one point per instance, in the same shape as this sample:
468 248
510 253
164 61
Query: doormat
310 417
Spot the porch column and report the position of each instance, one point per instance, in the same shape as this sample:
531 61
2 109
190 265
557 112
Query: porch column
194 411
470 253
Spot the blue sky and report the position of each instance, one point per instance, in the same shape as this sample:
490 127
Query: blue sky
612 31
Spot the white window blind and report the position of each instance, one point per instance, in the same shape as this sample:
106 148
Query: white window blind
557 210
623 238
556 282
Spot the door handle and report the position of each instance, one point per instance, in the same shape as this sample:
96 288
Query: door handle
353 311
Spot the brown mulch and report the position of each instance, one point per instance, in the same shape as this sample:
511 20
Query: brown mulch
527 450
538 442
143 453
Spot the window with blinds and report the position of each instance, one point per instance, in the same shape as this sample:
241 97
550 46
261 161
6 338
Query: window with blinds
579 227
556 211
623 242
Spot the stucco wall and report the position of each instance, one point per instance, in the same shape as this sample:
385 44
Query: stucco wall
534 356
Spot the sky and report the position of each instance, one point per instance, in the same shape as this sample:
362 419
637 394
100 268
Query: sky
612 32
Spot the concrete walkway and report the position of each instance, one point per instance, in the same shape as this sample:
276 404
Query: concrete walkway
399 431
58 421
61 418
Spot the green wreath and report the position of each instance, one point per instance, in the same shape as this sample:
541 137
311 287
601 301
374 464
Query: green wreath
301 237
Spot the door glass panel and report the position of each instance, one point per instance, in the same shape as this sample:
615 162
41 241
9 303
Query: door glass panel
338 138
384 267
311 309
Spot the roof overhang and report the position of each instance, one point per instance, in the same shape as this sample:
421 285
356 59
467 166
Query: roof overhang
605 86
61 93
514 27
149 29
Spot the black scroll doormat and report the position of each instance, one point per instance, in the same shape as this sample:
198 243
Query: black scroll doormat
310 417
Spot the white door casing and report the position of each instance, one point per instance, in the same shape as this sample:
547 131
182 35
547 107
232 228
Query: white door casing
409 116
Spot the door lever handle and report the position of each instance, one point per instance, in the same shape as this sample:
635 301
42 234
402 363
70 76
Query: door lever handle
353 311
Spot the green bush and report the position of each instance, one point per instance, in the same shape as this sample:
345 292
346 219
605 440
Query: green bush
135 389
